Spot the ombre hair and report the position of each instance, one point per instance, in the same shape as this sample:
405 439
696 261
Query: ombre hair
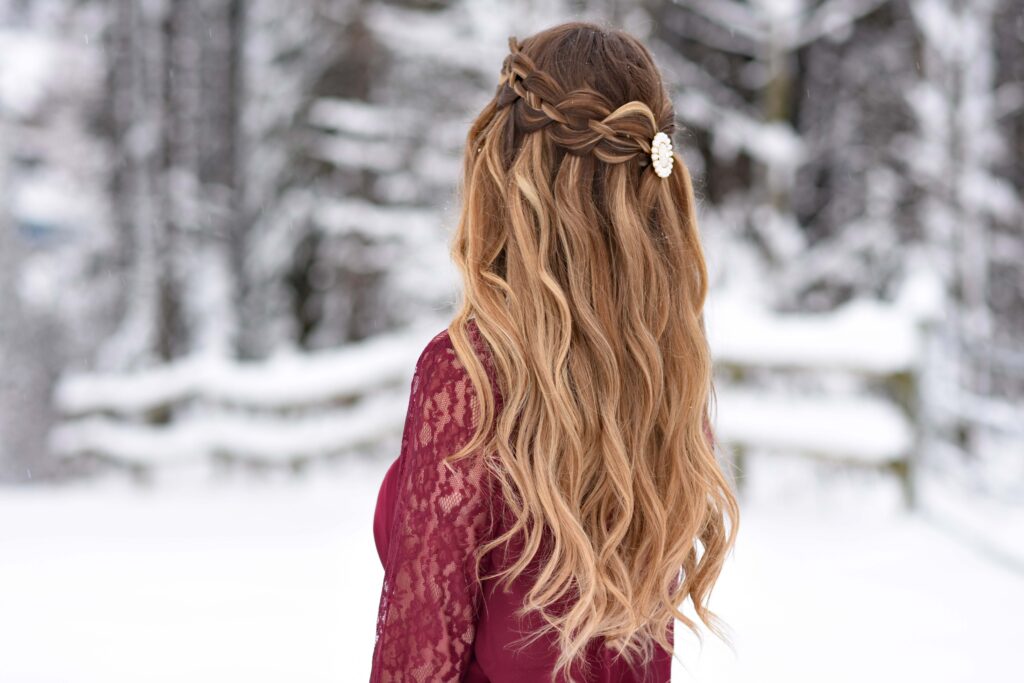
584 272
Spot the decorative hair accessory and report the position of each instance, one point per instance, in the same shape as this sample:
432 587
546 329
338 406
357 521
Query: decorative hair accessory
661 154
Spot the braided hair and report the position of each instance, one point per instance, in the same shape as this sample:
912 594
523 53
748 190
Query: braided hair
580 121
584 272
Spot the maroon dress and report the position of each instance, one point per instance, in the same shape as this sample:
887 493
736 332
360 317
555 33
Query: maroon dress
436 623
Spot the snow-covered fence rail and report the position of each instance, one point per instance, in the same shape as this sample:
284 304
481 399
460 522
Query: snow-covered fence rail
842 387
288 410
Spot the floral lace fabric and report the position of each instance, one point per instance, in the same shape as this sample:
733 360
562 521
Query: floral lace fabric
429 602
431 607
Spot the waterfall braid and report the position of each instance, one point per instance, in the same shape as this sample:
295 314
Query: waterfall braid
585 275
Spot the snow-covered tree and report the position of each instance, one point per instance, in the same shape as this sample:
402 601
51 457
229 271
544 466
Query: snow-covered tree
236 178
961 159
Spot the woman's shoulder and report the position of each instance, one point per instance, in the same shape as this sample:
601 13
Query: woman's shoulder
439 357
440 351
439 348
440 369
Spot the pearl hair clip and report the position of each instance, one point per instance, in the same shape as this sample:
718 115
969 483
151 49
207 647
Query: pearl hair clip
661 154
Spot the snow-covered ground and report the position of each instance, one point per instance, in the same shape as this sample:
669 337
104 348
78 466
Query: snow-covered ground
277 581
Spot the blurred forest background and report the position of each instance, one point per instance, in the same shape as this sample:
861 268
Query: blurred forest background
223 231
234 179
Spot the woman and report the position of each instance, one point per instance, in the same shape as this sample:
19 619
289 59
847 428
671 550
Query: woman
557 495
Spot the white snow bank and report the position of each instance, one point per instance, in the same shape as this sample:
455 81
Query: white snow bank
279 581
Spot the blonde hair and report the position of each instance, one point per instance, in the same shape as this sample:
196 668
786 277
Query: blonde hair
585 275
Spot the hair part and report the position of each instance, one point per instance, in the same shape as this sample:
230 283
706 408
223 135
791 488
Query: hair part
584 272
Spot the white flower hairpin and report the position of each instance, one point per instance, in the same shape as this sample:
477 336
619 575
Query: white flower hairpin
661 154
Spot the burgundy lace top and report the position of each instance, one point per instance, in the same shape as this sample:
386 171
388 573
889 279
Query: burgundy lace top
436 624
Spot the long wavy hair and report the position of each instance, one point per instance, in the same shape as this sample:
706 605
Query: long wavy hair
584 272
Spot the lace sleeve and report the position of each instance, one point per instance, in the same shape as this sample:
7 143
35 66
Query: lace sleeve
426 622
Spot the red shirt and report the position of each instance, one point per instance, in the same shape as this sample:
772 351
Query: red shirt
436 623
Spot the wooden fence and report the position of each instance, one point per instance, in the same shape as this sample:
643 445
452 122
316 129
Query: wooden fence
840 387
288 410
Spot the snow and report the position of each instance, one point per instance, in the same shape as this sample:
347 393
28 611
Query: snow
53 200
287 380
775 144
861 600
862 336
377 222
993 413
920 295
991 193
109 584
291 408
213 433
382 156
205 574
968 511
261 410
442 37
26 63
861 429
274 580
787 24
360 118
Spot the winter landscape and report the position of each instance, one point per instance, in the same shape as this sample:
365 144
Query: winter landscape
223 233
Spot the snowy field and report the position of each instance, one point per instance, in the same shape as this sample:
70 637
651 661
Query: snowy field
278 580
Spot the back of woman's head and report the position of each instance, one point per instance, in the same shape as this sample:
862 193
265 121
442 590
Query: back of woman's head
583 270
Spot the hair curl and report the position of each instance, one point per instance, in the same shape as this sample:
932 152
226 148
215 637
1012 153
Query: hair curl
584 272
